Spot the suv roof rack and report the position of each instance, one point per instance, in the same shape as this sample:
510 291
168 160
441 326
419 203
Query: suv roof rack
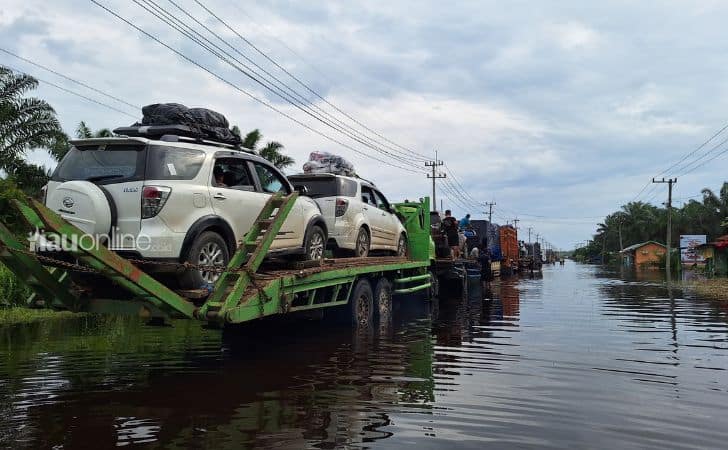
173 133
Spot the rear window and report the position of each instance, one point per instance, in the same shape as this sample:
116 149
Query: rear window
121 163
327 187
102 164
171 163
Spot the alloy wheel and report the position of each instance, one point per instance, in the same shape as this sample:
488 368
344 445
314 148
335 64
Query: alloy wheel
210 255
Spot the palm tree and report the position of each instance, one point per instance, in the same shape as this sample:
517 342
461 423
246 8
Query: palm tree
84 132
271 151
25 122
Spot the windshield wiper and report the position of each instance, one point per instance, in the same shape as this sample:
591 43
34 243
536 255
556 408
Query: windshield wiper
104 177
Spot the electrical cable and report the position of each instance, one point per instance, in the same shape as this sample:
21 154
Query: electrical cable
243 91
73 92
298 99
192 33
306 86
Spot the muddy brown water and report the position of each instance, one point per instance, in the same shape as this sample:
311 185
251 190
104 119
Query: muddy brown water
581 357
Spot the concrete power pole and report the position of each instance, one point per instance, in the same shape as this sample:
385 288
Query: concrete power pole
490 206
435 176
670 182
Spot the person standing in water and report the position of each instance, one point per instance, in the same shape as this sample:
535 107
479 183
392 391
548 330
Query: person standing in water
450 225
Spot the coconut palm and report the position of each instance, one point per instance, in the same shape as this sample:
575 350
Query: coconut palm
25 122
84 132
271 151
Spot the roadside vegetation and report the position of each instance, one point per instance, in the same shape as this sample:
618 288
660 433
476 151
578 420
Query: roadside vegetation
638 222
28 123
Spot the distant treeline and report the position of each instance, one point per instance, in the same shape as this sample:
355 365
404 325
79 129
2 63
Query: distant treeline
638 222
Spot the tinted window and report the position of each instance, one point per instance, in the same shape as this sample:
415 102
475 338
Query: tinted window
347 188
231 173
270 181
326 186
367 196
102 164
170 163
318 187
381 201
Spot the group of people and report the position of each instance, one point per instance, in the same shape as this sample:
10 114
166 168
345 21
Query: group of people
454 230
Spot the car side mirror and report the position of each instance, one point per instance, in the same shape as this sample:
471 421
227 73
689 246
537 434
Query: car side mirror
302 189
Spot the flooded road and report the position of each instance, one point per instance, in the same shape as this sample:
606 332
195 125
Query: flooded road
579 357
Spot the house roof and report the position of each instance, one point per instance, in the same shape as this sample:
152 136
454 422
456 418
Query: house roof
634 247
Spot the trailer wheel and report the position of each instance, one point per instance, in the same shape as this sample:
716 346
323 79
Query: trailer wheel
361 304
383 300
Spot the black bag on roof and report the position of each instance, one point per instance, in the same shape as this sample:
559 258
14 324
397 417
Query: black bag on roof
199 123
209 117
166 114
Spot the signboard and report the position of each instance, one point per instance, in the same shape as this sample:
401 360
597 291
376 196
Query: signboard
688 242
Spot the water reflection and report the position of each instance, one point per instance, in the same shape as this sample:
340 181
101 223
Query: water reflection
580 356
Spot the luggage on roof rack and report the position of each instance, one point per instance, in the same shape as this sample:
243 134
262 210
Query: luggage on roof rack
175 119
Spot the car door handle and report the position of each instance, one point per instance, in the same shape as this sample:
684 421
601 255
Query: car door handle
219 196
365 208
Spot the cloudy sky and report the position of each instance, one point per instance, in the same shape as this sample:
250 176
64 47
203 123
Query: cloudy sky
559 112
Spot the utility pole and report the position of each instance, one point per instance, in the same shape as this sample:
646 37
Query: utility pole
670 182
490 206
435 176
515 223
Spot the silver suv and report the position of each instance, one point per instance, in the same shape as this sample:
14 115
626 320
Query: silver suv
177 199
358 216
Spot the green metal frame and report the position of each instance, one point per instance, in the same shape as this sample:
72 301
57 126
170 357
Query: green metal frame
50 285
238 297
108 263
251 252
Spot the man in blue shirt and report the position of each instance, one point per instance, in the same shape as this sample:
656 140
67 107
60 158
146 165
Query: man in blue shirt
465 222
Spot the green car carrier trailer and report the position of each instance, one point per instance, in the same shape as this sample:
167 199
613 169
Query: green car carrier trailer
251 287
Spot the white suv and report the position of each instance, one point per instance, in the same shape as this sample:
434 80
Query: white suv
358 216
176 200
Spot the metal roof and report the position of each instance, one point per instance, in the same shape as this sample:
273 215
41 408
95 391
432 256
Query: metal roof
634 247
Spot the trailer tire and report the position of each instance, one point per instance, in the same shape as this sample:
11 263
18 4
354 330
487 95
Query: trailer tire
383 300
361 304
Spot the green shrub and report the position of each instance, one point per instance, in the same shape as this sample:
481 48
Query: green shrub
9 216
12 291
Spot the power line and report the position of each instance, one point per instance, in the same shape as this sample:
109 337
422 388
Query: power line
715 147
80 83
413 153
243 91
196 37
105 105
279 88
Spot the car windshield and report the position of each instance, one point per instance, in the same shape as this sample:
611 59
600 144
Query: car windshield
102 163
319 187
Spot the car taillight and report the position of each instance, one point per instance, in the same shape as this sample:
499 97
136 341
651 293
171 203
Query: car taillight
341 205
153 200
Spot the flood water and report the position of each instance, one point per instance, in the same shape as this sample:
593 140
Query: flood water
580 357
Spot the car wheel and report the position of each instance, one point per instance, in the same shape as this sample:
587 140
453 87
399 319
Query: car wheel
402 245
315 244
208 249
361 304
363 243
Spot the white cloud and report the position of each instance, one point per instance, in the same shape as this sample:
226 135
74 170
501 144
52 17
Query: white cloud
527 104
